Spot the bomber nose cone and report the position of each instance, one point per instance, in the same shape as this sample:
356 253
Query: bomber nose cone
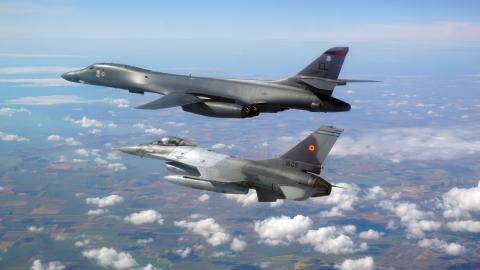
67 76
128 149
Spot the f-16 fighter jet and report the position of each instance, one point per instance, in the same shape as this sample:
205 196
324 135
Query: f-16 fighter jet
311 89
295 175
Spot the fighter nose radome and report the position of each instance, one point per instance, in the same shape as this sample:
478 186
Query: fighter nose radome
128 149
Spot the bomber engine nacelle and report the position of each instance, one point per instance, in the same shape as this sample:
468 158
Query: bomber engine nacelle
229 188
222 109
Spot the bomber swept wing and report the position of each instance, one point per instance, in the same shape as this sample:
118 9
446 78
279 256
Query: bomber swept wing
169 101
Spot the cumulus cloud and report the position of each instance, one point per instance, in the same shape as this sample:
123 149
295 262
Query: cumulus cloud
144 241
6 111
109 257
105 201
54 138
175 124
143 217
72 141
375 193
397 144
342 199
460 202
370 235
55 265
87 152
204 198
97 212
281 230
183 252
208 228
12 138
68 141
82 243
86 122
332 240
414 220
119 102
464 226
238 245
365 263
116 167
440 245
244 199
35 229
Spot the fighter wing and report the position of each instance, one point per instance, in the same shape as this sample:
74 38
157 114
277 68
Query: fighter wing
170 100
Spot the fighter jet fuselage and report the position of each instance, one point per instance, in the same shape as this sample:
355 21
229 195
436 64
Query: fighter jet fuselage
295 175
310 90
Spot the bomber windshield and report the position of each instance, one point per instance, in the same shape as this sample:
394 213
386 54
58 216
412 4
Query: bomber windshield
172 141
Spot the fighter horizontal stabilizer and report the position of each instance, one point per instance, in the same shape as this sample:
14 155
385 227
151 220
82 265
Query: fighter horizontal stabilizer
169 101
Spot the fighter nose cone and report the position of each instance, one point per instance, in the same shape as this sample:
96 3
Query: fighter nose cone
67 76
132 150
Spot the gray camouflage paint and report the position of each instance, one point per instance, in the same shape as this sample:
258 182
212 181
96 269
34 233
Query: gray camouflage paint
295 175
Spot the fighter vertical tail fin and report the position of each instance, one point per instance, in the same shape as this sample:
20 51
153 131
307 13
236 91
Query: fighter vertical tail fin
328 65
315 148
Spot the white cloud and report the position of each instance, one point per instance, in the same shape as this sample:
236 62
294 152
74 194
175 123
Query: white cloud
218 146
116 167
55 265
12 137
154 131
119 102
112 125
113 156
82 243
464 226
244 199
109 257
460 202
86 122
375 193
370 235
72 142
184 253
144 241
139 125
332 240
54 138
6 111
48 100
175 124
281 230
397 144
208 228
437 244
414 220
342 199
203 198
145 216
105 201
35 82
35 229
97 212
365 263
87 152
238 245
34 69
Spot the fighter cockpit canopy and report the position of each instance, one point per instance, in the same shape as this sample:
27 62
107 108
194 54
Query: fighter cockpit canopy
172 141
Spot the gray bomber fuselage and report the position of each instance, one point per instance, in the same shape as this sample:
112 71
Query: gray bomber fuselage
242 92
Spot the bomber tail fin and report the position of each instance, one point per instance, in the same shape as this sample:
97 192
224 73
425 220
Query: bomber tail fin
328 65
315 148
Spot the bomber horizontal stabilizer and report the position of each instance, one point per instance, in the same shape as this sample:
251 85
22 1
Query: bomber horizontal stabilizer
169 101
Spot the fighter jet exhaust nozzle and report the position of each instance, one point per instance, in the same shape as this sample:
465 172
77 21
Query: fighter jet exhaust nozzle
222 109
229 188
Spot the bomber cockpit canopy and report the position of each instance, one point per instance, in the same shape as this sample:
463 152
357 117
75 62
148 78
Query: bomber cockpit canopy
172 141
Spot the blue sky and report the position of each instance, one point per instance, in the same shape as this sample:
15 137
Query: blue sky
215 38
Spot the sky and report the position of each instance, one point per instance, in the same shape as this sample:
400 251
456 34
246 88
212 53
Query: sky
407 159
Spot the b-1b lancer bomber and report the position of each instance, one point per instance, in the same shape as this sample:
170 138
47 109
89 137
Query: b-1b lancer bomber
295 175
311 89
